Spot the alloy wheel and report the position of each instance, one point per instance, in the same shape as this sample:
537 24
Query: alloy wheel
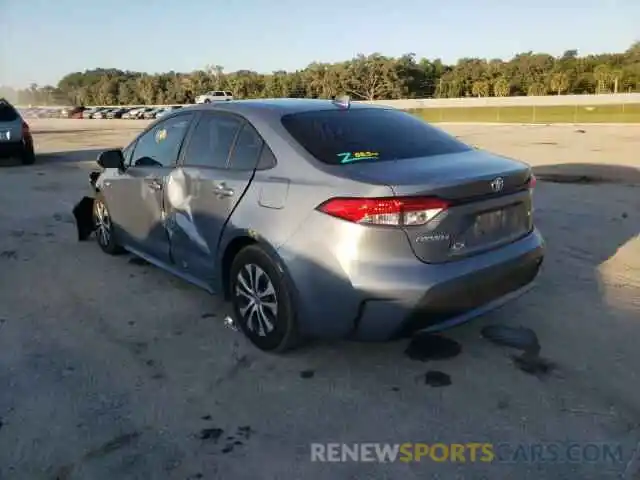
256 299
103 224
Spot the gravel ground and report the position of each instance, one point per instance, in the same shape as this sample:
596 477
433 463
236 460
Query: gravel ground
114 370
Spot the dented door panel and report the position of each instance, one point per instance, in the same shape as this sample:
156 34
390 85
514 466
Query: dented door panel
198 203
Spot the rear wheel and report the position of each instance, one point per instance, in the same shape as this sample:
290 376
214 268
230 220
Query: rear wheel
104 227
28 156
262 302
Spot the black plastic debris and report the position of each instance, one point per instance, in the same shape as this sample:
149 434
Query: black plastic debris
83 213
434 378
93 178
307 374
425 346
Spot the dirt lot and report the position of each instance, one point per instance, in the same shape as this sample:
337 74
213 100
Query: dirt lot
114 370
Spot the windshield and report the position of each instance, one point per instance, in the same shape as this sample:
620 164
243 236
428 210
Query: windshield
365 135
7 112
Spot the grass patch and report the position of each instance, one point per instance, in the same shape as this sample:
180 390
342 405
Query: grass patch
624 113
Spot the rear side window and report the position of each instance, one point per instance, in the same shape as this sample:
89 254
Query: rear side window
246 150
368 135
7 112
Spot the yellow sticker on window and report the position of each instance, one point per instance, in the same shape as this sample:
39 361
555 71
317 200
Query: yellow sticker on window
347 157
161 135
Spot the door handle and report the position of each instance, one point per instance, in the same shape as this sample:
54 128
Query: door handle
154 184
222 190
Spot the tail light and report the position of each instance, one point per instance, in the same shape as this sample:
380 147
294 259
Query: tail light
532 181
390 211
25 129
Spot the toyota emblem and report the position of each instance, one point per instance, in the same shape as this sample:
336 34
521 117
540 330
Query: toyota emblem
497 184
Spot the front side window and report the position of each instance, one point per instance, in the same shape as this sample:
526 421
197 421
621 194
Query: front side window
211 141
159 147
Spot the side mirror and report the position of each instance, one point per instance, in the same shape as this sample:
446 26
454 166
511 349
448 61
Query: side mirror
111 159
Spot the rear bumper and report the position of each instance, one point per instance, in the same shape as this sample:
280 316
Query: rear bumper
396 299
11 149
451 303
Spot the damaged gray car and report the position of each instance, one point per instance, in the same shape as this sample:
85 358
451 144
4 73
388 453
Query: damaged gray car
320 218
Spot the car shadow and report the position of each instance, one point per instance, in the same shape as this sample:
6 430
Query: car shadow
69 156
61 157
588 173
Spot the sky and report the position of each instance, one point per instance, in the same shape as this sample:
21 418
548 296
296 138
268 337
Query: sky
42 40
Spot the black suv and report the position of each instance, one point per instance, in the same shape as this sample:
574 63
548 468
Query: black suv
15 136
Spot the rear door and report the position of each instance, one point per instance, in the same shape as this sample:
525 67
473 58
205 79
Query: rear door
217 166
135 197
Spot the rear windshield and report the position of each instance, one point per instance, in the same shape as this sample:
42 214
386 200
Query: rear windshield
368 135
7 112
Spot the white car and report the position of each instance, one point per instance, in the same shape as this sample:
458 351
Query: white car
215 96
132 113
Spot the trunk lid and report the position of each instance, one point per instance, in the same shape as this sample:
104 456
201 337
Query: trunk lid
490 202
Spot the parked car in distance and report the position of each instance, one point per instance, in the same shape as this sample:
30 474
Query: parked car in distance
15 135
130 113
167 110
101 114
287 203
151 114
139 115
116 113
215 96
72 112
87 114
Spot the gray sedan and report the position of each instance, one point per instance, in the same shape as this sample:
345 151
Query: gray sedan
320 218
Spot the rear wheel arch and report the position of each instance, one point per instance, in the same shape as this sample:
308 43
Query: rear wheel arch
235 246
230 252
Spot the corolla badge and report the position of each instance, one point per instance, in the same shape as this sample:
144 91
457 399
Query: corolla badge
433 237
497 184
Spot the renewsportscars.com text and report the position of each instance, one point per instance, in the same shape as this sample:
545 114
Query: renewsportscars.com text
468 452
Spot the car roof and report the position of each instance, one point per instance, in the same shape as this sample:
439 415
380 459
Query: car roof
276 106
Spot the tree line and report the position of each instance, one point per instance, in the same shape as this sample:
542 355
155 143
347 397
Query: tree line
365 77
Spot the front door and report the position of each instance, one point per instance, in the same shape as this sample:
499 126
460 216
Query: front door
217 166
135 197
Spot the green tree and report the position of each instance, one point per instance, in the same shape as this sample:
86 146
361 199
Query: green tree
365 77
501 87
559 82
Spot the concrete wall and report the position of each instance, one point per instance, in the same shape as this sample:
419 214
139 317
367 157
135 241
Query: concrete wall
549 100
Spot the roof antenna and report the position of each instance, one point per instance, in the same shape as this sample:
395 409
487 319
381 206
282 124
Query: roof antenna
342 101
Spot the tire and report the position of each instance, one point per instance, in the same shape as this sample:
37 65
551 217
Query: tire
207 101
105 235
284 334
28 156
